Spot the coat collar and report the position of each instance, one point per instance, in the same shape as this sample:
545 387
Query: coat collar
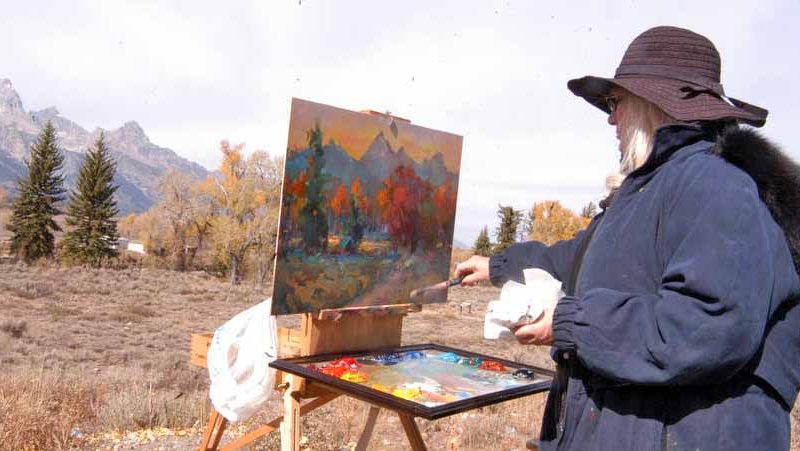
671 138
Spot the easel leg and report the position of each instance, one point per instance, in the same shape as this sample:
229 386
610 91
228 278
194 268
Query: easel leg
214 430
252 436
290 427
366 434
412 432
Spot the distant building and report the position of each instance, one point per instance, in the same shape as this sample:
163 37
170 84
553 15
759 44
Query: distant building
125 244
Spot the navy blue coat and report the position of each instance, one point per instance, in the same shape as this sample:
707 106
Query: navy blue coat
683 330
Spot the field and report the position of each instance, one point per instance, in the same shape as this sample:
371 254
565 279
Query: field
98 359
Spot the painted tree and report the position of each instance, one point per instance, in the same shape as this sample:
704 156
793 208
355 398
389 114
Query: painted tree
294 199
444 202
399 204
553 222
92 208
38 196
507 229
313 219
340 207
483 245
360 196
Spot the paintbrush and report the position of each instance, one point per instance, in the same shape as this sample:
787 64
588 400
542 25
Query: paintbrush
420 293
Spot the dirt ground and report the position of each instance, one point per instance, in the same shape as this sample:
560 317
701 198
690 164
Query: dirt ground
98 359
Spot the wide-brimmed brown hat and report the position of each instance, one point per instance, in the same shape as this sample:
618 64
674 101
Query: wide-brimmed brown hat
679 71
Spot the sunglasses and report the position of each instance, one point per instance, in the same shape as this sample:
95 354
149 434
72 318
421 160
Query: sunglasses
611 103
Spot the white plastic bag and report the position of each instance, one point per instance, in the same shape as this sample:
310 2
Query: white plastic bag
520 303
238 362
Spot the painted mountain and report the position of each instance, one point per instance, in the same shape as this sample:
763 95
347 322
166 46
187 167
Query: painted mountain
367 213
140 163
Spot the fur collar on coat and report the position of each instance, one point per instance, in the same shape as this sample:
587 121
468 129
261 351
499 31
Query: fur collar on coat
775 174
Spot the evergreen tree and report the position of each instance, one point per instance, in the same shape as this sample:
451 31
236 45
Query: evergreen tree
92 209
507 230
38 195
483 246
313 217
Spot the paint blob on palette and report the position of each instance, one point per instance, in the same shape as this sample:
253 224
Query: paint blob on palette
428 377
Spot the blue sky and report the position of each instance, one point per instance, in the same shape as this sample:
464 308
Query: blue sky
196 72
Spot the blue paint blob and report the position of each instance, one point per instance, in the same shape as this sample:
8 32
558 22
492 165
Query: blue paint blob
449 357
414 355
388 359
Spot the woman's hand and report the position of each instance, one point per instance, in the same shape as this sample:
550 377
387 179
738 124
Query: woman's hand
475 268
539 332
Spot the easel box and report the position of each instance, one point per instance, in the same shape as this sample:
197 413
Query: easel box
388 401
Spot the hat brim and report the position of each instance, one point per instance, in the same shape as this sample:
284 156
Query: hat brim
668 94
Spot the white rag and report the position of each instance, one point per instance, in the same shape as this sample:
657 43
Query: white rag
520 303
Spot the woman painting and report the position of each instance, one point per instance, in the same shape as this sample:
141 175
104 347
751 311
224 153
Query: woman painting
681 327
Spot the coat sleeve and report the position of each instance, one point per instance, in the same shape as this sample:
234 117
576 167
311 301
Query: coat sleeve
707 318
556 259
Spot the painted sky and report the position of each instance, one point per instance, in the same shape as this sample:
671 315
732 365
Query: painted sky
196 72
355 131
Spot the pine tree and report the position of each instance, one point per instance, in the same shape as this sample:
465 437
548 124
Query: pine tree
507 230
483 246
313 217
38 196
92 209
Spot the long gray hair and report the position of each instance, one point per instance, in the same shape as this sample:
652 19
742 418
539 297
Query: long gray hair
637 131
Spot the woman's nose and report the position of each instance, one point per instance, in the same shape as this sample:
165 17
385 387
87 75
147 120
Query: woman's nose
612 119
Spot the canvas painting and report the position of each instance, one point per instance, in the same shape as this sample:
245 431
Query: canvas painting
367 212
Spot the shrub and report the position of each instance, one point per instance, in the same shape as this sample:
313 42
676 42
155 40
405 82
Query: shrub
14 328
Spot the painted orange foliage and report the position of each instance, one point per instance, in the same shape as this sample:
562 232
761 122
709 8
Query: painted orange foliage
399 205
295 191
444 202
362 200
340 202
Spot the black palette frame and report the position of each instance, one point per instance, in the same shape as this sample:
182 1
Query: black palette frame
386 400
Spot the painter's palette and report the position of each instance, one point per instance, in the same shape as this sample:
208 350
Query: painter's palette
429 381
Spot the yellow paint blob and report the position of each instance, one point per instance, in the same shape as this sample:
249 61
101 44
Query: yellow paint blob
354 376
407 393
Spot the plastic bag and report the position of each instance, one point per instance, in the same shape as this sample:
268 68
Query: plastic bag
238 362
520 303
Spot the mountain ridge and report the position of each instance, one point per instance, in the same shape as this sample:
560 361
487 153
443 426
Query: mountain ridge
374 166
140 163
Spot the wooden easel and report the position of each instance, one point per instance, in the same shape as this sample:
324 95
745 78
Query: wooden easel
329 331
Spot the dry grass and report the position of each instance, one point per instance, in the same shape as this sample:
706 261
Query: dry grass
110 344
38 409
89 351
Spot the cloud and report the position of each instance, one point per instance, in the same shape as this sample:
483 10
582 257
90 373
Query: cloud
193 73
